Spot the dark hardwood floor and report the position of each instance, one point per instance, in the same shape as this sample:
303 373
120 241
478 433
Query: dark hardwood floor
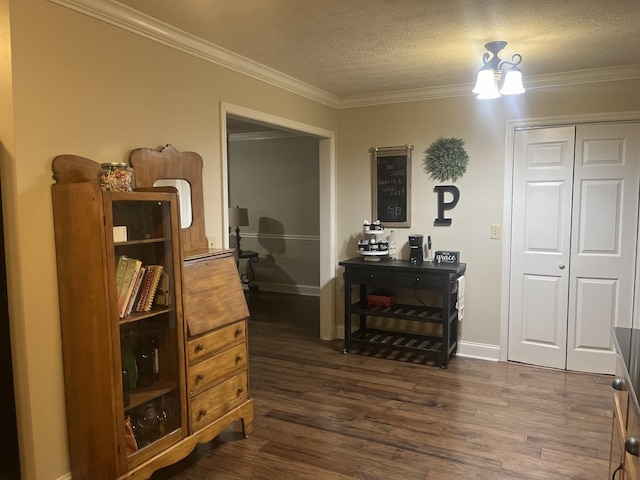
321 414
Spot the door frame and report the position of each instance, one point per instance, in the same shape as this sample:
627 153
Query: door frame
328 210
511 127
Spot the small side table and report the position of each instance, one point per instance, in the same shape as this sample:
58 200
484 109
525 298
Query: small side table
248 278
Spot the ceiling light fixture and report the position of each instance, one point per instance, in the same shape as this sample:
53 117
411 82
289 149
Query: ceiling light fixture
491 74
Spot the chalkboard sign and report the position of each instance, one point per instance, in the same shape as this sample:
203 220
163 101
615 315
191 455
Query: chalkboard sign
392 186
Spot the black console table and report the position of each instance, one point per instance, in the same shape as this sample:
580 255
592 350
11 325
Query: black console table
248 278
400 274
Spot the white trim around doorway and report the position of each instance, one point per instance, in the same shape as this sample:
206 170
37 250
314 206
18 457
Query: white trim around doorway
327 164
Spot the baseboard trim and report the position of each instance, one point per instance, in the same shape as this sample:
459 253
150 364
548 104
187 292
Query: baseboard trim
481 351
309 290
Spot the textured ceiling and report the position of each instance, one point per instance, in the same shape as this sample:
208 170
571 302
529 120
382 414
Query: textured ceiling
364 47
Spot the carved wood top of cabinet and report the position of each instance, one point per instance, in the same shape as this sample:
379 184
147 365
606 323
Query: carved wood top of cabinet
168 163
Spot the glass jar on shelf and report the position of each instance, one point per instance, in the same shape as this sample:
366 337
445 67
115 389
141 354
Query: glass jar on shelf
116 177
393 250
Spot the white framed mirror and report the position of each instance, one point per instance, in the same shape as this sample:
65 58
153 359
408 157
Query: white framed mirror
184 195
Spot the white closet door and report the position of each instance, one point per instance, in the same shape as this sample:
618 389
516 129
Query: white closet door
574 240
603 253
540 251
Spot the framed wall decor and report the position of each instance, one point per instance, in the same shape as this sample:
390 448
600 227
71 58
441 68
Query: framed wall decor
391 185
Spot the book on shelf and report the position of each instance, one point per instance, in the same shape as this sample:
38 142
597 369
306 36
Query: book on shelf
133 266
125 267
163 295
121 268
149 287
135 294
157 275
144 289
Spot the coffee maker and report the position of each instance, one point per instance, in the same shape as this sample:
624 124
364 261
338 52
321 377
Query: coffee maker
416 249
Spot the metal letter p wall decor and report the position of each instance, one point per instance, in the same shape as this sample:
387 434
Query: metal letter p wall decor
443 205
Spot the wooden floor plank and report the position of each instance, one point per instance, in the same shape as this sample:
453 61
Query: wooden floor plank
321 414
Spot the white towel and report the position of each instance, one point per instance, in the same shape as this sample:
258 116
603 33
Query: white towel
460 301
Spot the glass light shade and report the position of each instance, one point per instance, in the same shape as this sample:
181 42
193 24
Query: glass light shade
238 217
512 83
486 85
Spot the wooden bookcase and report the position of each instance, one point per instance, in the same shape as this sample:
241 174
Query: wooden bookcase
115 434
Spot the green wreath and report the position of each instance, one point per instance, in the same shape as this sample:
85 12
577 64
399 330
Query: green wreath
446 159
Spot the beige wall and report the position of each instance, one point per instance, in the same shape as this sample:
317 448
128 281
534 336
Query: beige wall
277 180
78 85
482 125
85 87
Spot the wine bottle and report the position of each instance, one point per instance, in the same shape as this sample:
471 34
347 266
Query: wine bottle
145 360
156 358
126 396
128 360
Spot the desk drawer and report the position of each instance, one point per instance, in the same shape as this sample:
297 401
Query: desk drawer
423 281
369 276
206 345
417 280
218 400
205 373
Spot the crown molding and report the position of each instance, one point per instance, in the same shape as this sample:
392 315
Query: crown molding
563 79
578 77
136 22
429 93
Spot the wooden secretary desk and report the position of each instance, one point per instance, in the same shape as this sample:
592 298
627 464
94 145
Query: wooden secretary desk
215 309
119 427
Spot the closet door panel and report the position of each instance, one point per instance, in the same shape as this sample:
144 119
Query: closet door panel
604 241
541 234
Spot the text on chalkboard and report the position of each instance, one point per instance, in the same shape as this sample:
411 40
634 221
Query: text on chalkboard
392 187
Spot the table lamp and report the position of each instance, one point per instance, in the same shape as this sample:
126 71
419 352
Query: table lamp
240 218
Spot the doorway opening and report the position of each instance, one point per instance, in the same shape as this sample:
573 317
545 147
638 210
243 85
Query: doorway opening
326 259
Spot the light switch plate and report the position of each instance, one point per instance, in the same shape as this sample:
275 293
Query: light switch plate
495 231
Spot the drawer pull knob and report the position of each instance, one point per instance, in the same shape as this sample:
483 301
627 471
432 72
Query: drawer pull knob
372 276
199 347
199 377
618 384
202 413
239 358
631 446
240 390
238 331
